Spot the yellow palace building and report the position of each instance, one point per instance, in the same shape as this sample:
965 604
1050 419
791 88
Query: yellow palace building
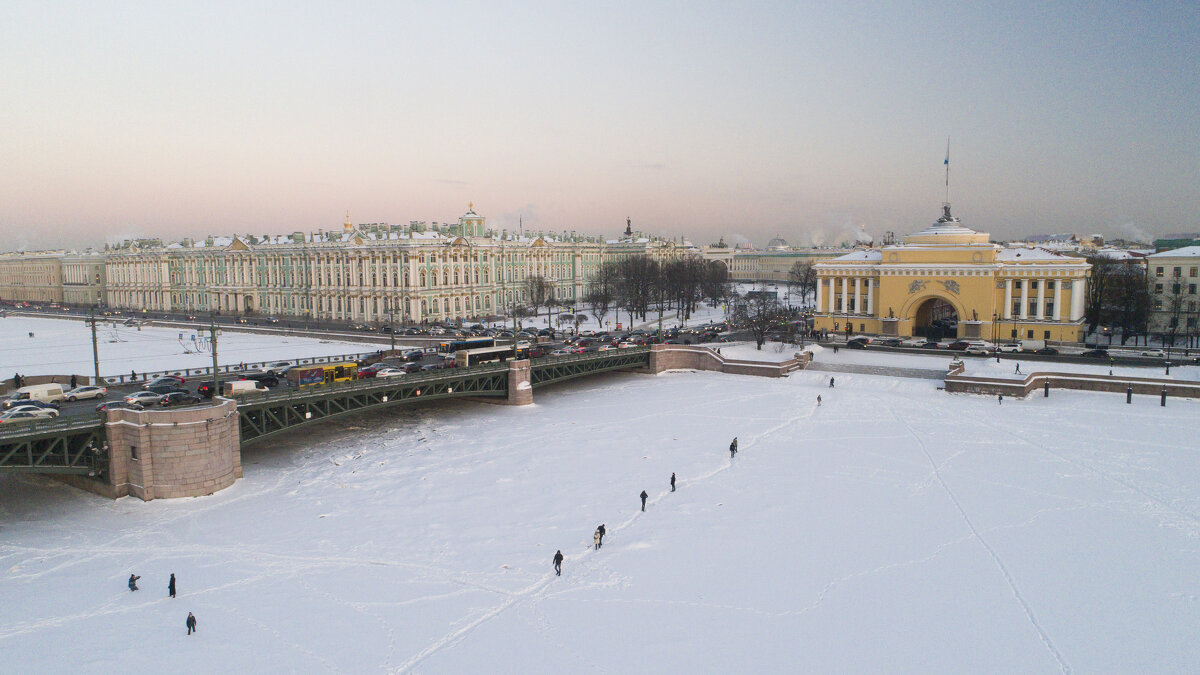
956 276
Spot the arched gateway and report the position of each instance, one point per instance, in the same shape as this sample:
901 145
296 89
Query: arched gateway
951 281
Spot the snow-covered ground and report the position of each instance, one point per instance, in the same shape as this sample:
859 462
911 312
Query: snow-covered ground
894 528
62 346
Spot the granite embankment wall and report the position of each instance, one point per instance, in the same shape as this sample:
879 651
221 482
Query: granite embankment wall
956 382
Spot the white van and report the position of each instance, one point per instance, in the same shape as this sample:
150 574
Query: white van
238 388
46 393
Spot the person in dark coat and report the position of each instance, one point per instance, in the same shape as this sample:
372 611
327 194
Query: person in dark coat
74 381
133 579
601 531
1000 399
132 375
672 482
644 496
831 383
733 448
191 623
558 558
171 585
818 400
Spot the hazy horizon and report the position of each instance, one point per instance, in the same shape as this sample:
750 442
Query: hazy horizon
706 120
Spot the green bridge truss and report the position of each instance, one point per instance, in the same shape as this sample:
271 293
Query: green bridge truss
76 444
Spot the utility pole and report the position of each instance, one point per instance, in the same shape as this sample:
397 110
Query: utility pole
95 347
216 373
392 322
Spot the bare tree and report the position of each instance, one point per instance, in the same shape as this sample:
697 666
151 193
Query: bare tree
1131 300
759 313
540 293
714 283
1096 298
803 277
602 293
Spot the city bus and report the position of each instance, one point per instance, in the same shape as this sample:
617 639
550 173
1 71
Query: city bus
322 373
454 346
465 358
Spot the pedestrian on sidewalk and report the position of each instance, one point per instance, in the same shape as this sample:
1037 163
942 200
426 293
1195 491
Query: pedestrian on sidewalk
1018 370
672 482
191 623
171 585
558 558
133 579
644 496
132 375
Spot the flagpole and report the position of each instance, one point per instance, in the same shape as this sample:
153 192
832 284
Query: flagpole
947 162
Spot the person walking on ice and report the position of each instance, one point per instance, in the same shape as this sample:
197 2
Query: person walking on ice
1018 370
558 564
644 496
171 586
831 383
818 400
999 399
601 531
191 623
596 539
672 482
133 579
733 448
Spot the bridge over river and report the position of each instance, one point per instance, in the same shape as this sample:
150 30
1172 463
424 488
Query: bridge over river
124 452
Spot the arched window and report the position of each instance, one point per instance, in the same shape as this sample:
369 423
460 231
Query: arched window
455 275
485 275
458 304
422 278
424 307
446 305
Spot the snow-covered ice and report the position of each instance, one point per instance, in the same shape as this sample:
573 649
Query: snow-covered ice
63 347
895 528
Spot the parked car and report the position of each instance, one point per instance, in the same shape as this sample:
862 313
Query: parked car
178 398
122 405
1095 354
86 391
143 397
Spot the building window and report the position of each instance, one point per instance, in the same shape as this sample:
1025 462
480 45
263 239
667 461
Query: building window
1033 285
1178 272
1158 271
1049 309
1029 333
1046 335
133 453
1191 289
1158 288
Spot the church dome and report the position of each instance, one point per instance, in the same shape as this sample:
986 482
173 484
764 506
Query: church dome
778 244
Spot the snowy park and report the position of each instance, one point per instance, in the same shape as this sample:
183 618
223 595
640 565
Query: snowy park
891 528
32 346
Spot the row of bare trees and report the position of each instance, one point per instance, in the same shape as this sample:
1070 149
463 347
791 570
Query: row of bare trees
1125 297
638 284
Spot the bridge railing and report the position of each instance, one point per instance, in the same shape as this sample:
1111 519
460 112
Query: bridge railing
58 424
235 367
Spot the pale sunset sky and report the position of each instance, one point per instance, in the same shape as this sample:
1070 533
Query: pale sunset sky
738 119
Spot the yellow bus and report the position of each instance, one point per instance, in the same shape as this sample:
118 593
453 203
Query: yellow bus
322 373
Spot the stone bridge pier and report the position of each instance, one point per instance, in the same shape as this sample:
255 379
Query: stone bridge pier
162 454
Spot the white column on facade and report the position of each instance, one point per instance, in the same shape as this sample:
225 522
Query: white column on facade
820 300
845 295
832 295
870 297
858 295
1058 298
1008 284
1041 301
1076 299
1024 309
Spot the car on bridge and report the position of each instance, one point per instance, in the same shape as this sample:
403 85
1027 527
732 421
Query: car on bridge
178 398
86 391
143 397
10 403
266 378
173 380
12 417
390 372
119 405
36 411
